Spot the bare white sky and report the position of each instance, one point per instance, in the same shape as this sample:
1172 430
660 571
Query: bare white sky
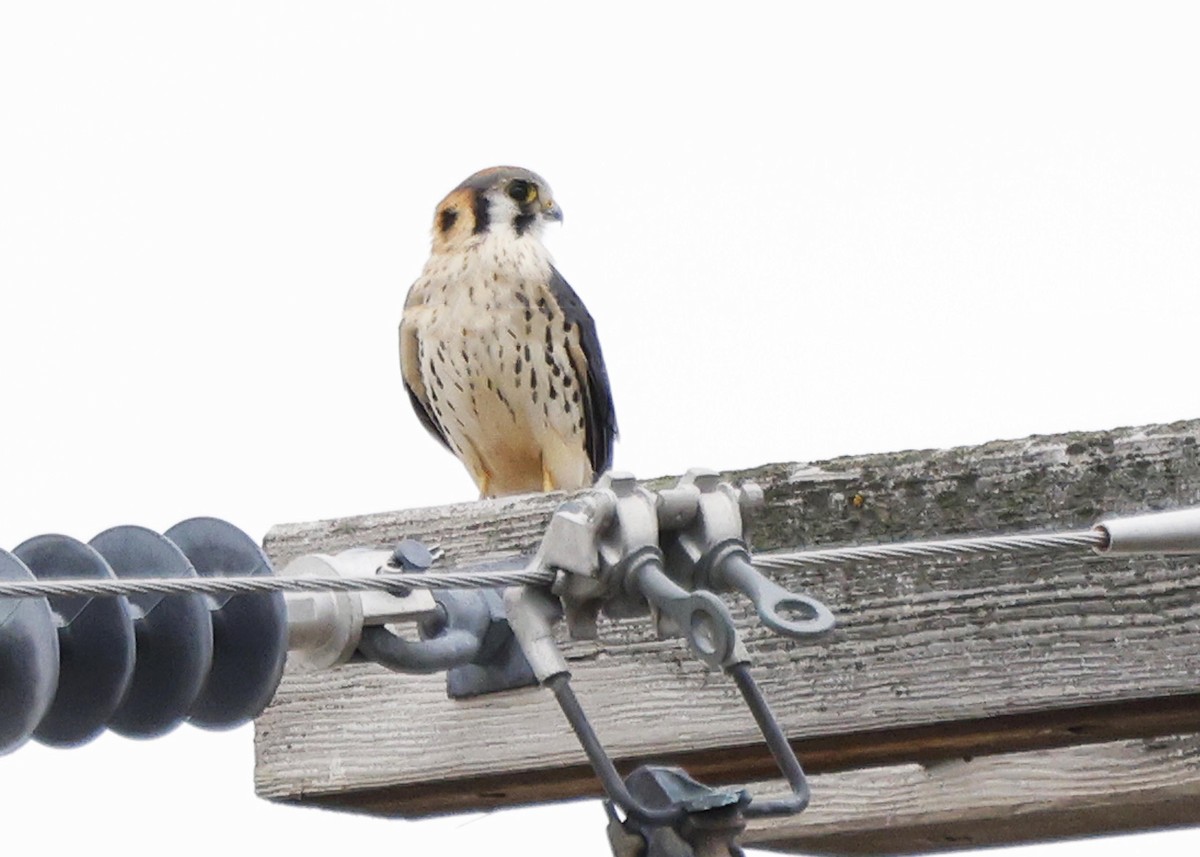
803 229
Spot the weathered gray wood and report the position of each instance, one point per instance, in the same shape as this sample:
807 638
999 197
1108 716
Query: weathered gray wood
929 661
995 800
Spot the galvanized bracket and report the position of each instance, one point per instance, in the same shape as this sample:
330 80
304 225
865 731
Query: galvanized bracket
463 632
627 551
711 826
326 628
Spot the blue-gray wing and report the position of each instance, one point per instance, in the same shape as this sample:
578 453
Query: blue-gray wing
410 369
600 419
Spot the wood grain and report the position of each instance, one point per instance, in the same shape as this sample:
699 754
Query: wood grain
981 655
995 800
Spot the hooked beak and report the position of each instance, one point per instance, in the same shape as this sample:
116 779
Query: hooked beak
551 211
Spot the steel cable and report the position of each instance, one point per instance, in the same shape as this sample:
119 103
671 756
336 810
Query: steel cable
1021 543
396 583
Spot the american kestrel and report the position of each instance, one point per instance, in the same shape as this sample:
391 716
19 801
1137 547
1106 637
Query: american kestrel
499 355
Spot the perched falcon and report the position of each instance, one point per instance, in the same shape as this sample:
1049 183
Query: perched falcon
499 356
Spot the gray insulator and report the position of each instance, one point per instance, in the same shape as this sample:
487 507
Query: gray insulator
173 634
28 659
73 664
95 642
250 632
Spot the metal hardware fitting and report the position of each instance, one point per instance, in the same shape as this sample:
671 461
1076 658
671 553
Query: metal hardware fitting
613 546
628 551
707 550
73 664
463 632
712 822
325 628
1176 532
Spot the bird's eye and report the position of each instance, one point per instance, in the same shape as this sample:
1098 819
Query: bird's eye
522 191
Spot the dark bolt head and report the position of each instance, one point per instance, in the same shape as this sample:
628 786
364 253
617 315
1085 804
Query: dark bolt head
411 555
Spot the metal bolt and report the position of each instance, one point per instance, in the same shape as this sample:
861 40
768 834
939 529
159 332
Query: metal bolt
703 478
411 555
620 483
752 496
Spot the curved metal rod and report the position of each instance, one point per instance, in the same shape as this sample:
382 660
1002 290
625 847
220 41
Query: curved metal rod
532 611
457 642
452 649
617 791
777 743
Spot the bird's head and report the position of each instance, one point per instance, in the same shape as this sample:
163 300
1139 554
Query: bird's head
499 198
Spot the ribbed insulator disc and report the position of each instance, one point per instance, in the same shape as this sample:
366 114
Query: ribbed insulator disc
174 634
249 631
95 642
28 659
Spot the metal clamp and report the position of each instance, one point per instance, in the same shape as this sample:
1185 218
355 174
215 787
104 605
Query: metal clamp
701 617
325 628
463 632
590 542
605 547
711 825
629 551
728 566
706 549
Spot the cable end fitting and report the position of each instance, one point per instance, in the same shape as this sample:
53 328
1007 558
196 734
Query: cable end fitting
1176 532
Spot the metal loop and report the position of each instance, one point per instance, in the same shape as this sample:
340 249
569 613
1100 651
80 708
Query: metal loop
731 566
700 616
456 642
774 614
